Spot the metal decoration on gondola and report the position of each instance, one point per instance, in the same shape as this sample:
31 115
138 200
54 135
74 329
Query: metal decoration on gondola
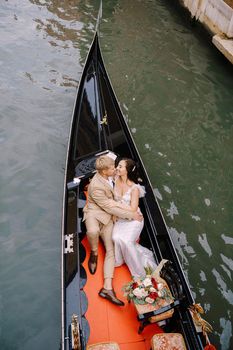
69 243
76 344
104 120
196 310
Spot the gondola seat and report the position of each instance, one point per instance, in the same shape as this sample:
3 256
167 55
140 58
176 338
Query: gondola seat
164 308
168 341
104 346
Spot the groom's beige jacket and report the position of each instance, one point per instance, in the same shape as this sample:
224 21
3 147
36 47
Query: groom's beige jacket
100 202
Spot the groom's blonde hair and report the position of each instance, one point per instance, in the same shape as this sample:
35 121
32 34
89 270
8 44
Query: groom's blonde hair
103 162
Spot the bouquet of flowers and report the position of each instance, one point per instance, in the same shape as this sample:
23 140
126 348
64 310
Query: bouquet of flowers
146 290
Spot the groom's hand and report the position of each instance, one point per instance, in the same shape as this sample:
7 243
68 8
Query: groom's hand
114 218
137 216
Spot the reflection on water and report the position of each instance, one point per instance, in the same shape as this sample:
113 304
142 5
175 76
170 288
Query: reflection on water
172 211
227 240
181 243
176 94
65 23
204 243
227 293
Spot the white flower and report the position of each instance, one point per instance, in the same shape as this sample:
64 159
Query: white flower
137 292
144 293
149 300
160 286
160 294
147 282
140 293
152 289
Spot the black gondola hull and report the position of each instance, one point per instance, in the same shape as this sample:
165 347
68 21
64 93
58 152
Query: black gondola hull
99 125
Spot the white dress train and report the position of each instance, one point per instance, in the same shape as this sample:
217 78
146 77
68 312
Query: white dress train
125 235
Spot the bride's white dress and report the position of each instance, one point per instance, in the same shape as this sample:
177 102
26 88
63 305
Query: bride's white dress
125 235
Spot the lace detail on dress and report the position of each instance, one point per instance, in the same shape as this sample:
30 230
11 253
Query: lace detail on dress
126 198
141 188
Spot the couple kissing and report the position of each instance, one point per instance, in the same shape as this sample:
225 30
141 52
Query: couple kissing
112 213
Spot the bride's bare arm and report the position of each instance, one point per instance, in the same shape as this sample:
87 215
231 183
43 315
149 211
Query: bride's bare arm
134 199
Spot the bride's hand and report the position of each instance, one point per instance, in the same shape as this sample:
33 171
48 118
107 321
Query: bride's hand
138 216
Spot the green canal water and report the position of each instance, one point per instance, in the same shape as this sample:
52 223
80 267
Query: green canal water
176 92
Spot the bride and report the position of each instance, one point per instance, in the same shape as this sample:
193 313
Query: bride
126 233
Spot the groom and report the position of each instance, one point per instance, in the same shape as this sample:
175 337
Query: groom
98 214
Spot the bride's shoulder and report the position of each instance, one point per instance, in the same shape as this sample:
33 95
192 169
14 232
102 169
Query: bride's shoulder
140 188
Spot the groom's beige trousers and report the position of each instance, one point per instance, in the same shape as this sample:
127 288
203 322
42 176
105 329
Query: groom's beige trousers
98 218
96 229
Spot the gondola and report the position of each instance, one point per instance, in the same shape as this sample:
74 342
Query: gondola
98 126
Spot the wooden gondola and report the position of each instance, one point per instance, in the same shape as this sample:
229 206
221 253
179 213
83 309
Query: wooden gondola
99 125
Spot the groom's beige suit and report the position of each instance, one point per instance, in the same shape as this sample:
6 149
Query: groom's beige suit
98 214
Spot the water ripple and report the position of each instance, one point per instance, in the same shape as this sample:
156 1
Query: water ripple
167 189
228 272
226 334
226 293
203 276
195 217
158 194
172 211
227 261
227 239
204 243
181 244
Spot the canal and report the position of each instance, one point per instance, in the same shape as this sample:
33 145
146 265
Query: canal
175 90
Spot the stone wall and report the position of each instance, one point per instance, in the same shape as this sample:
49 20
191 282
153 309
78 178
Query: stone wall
215 14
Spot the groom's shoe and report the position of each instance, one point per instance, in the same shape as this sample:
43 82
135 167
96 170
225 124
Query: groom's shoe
92 263
110 295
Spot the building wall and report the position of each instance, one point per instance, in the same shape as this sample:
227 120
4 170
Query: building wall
215 14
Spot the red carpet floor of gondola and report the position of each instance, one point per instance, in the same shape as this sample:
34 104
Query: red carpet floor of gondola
107 321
